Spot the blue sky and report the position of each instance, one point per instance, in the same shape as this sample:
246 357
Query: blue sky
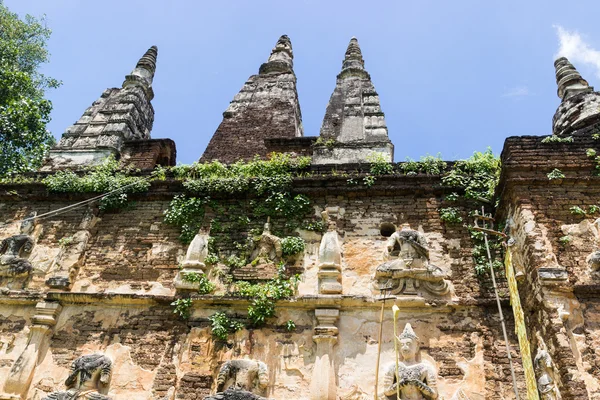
453 76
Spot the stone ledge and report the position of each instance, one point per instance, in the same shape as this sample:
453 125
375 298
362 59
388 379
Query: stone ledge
342 302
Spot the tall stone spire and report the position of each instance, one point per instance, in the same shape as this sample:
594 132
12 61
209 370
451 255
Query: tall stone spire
579 107
266 108
119 115
143 73
281 58
353 58
569 80
354 127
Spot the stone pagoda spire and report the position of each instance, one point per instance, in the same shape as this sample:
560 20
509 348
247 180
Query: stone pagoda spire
569 80
354 126
266 108
119 115
579 103
143 73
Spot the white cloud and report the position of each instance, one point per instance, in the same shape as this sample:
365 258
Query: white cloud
518 91
574 47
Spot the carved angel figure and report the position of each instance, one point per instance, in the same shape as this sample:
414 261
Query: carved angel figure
89 375
544 371
249 375
416 379
15 250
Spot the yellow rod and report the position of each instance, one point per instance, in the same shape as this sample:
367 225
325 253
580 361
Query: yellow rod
396 310
379 348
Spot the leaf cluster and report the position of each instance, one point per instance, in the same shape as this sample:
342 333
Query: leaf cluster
292 245
221 325
101 179
264 296
477 176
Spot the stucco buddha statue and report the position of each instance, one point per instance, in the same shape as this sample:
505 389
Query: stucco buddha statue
267 249
407 269
15 250
89 376
416 378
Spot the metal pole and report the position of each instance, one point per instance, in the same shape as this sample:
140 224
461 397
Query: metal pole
512 369
379 347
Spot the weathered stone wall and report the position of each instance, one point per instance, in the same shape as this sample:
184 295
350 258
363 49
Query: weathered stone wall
552 243
119 300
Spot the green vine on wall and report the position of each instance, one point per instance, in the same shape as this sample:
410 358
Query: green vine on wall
477 177
101 179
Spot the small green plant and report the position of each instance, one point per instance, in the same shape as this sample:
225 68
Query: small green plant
234 261
555 174
205 286
292 245
451 197
576 210
264 295
557 139
221 325
565 240
590 153
211 259
595 136
329 143
65 241
183 307
379 164
593 209
352 182
431 165
315 226
369 180
450 215
290 325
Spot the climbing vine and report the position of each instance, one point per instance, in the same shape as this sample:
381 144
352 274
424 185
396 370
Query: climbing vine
101 179
264 295
222 325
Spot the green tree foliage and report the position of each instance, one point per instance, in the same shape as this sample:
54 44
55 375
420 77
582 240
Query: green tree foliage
24 112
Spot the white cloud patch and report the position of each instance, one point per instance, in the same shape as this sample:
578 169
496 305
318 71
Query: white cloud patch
518 91
576 49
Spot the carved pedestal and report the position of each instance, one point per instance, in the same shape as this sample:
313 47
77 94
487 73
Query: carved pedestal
323 386
193 263
330 264
21 373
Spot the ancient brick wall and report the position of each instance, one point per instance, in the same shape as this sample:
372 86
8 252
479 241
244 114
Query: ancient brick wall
552 243
119 301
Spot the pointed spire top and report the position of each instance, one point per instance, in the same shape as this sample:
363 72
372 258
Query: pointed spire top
354 58
148 60
143 73
408 333
281 58
568 79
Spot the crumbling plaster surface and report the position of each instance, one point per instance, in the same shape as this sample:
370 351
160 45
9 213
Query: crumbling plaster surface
452 340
